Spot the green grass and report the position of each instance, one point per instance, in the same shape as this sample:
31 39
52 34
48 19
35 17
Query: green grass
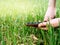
14 14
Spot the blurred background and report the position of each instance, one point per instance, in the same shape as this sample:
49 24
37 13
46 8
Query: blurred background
14 14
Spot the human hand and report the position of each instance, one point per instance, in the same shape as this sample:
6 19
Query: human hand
50 14
53 22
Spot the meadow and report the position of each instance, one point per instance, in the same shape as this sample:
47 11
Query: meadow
14 14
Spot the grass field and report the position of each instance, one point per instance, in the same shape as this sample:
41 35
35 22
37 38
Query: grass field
14 14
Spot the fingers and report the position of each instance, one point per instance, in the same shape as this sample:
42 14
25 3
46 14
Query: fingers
48 18
43 26
53 23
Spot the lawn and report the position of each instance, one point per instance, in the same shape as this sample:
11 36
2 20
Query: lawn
14 14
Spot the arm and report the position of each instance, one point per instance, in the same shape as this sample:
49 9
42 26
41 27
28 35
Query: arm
51 11
52 3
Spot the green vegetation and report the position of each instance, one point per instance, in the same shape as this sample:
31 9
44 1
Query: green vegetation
14 14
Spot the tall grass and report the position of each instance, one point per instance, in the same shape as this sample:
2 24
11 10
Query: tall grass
14 14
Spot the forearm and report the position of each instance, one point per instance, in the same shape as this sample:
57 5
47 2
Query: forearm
52 3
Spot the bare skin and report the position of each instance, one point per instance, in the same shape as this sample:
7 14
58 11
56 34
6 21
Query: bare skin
51 11
54 23
50 14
